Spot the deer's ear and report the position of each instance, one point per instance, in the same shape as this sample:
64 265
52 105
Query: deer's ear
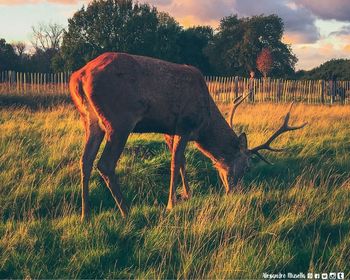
243 142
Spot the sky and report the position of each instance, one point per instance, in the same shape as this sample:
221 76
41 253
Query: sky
318 30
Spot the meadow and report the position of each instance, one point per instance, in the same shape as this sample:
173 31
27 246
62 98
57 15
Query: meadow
293 216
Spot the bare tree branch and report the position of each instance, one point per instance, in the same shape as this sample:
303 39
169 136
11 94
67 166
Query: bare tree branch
47 36
20 48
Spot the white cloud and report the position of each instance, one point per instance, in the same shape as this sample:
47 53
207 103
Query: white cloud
325 9
299 21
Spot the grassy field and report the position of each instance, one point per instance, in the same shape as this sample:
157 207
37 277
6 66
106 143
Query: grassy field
293 216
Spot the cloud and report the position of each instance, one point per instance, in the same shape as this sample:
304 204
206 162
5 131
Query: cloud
344 31
299 21
311 56
298 15
347 49
325 9
206 11
28 2
161 2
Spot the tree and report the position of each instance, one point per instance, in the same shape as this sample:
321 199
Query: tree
42 61
119 25
264 62
8 57
47 36
192 43
238 42
25 63
19 48
167 37
46 40
338 67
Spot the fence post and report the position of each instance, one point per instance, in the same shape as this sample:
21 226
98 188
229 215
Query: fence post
25 82
18 82
341 92
333 88
279 90
323 87
236 87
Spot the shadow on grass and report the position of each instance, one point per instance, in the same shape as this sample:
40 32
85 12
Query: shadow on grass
34 101
285 171
145 175
312 243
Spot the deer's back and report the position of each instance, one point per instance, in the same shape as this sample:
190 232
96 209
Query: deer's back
159 96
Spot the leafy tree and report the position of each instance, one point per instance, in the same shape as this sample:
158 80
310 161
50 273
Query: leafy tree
238 42
264 62
41 61
192 43
24 59
340 68
167 37
8 57
119 25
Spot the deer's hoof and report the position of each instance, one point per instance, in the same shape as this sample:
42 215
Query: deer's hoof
169 207
185 196
85 218
124 213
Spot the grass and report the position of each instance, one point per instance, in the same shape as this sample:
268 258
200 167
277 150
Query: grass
293 216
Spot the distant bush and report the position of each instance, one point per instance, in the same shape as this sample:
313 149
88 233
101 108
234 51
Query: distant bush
339 68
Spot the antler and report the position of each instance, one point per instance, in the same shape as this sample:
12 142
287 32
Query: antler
236 103
284 128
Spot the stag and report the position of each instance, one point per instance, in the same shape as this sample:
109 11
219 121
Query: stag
117 94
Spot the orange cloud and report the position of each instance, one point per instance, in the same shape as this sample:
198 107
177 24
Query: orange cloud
21 2
347 48
293 38
189 21
311 55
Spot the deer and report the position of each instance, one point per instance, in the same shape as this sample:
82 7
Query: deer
118 94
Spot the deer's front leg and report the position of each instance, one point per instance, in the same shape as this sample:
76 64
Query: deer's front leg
177 160
186 194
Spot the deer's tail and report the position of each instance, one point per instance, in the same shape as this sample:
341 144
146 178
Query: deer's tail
77 93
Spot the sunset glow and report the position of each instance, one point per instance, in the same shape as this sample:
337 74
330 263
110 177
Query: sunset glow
310 25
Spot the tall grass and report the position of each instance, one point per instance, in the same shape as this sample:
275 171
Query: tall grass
293 216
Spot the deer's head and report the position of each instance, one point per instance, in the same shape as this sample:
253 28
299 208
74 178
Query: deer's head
232 172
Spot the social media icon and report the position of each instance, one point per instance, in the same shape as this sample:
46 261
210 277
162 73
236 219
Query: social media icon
317 276
332 276
324 276
340 275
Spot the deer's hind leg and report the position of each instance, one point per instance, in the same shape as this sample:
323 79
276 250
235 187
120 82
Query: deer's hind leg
186 193
116 140
93 138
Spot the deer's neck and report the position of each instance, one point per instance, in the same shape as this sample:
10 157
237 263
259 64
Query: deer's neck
217 140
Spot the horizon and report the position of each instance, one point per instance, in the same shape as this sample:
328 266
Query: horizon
316 31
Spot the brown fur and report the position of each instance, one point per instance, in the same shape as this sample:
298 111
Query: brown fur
117 94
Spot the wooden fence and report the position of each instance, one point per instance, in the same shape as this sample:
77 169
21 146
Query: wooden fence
34 83
223 89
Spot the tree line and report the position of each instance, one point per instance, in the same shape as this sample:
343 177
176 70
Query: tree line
335 69
237 47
